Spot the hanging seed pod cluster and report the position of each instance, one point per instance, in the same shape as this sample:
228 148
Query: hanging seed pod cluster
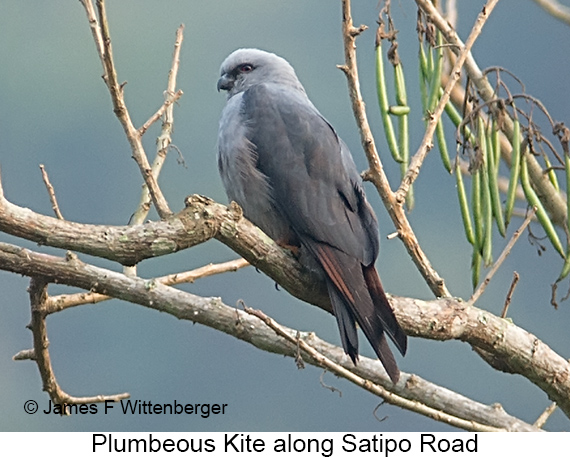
510 162
505 164
399 145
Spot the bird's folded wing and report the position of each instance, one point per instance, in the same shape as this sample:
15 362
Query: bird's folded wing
313 178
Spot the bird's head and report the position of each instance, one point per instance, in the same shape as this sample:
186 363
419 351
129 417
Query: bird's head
245 68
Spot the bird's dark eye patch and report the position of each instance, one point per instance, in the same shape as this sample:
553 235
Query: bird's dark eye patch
245 68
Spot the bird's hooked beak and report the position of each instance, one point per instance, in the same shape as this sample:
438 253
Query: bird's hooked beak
226 82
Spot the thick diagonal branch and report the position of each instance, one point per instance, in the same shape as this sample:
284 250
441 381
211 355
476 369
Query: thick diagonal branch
517 350
442 319
202 220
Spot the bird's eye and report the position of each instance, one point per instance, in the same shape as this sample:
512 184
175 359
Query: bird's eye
245 68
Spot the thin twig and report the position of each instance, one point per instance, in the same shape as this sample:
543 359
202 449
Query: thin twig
555 9
376 172
326 386
51 193
95 28
38 297
501 258
426 144
379 419
172 98
544 416
100 29
25 354
509 297
373 388
164 139
60 302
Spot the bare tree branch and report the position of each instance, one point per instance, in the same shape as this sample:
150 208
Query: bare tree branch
376 174
389 397
552 200
501 343
204 219
213 313
545 415
164 139
51 193
168 103
555 9
102 37
502 257
464 52
60 302
38 297
510 293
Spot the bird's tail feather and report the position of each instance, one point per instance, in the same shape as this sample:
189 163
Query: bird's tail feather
345 321
385 312
352 301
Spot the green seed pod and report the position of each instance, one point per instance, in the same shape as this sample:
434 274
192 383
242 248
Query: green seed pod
493 174
487 207
442 145
435 81
464 205
488 215
384 106
551 174
397 110
423 75
403 132
475 267
400 85
477 209
541 213
496 142
515 171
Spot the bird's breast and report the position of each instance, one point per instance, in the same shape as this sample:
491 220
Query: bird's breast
243 181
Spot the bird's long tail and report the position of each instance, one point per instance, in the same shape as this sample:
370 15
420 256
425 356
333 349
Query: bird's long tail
383 308
357 295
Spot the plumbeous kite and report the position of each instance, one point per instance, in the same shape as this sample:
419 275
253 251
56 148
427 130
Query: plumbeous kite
284 164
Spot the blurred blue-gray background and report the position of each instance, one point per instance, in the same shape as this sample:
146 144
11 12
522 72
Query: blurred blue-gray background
56 111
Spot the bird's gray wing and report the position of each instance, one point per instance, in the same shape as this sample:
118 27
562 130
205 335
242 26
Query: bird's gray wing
314 180
316 185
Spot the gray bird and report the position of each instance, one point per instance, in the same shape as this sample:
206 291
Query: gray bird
284 164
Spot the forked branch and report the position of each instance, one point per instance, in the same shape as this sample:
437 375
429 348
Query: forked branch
212 312
375 173
101 34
